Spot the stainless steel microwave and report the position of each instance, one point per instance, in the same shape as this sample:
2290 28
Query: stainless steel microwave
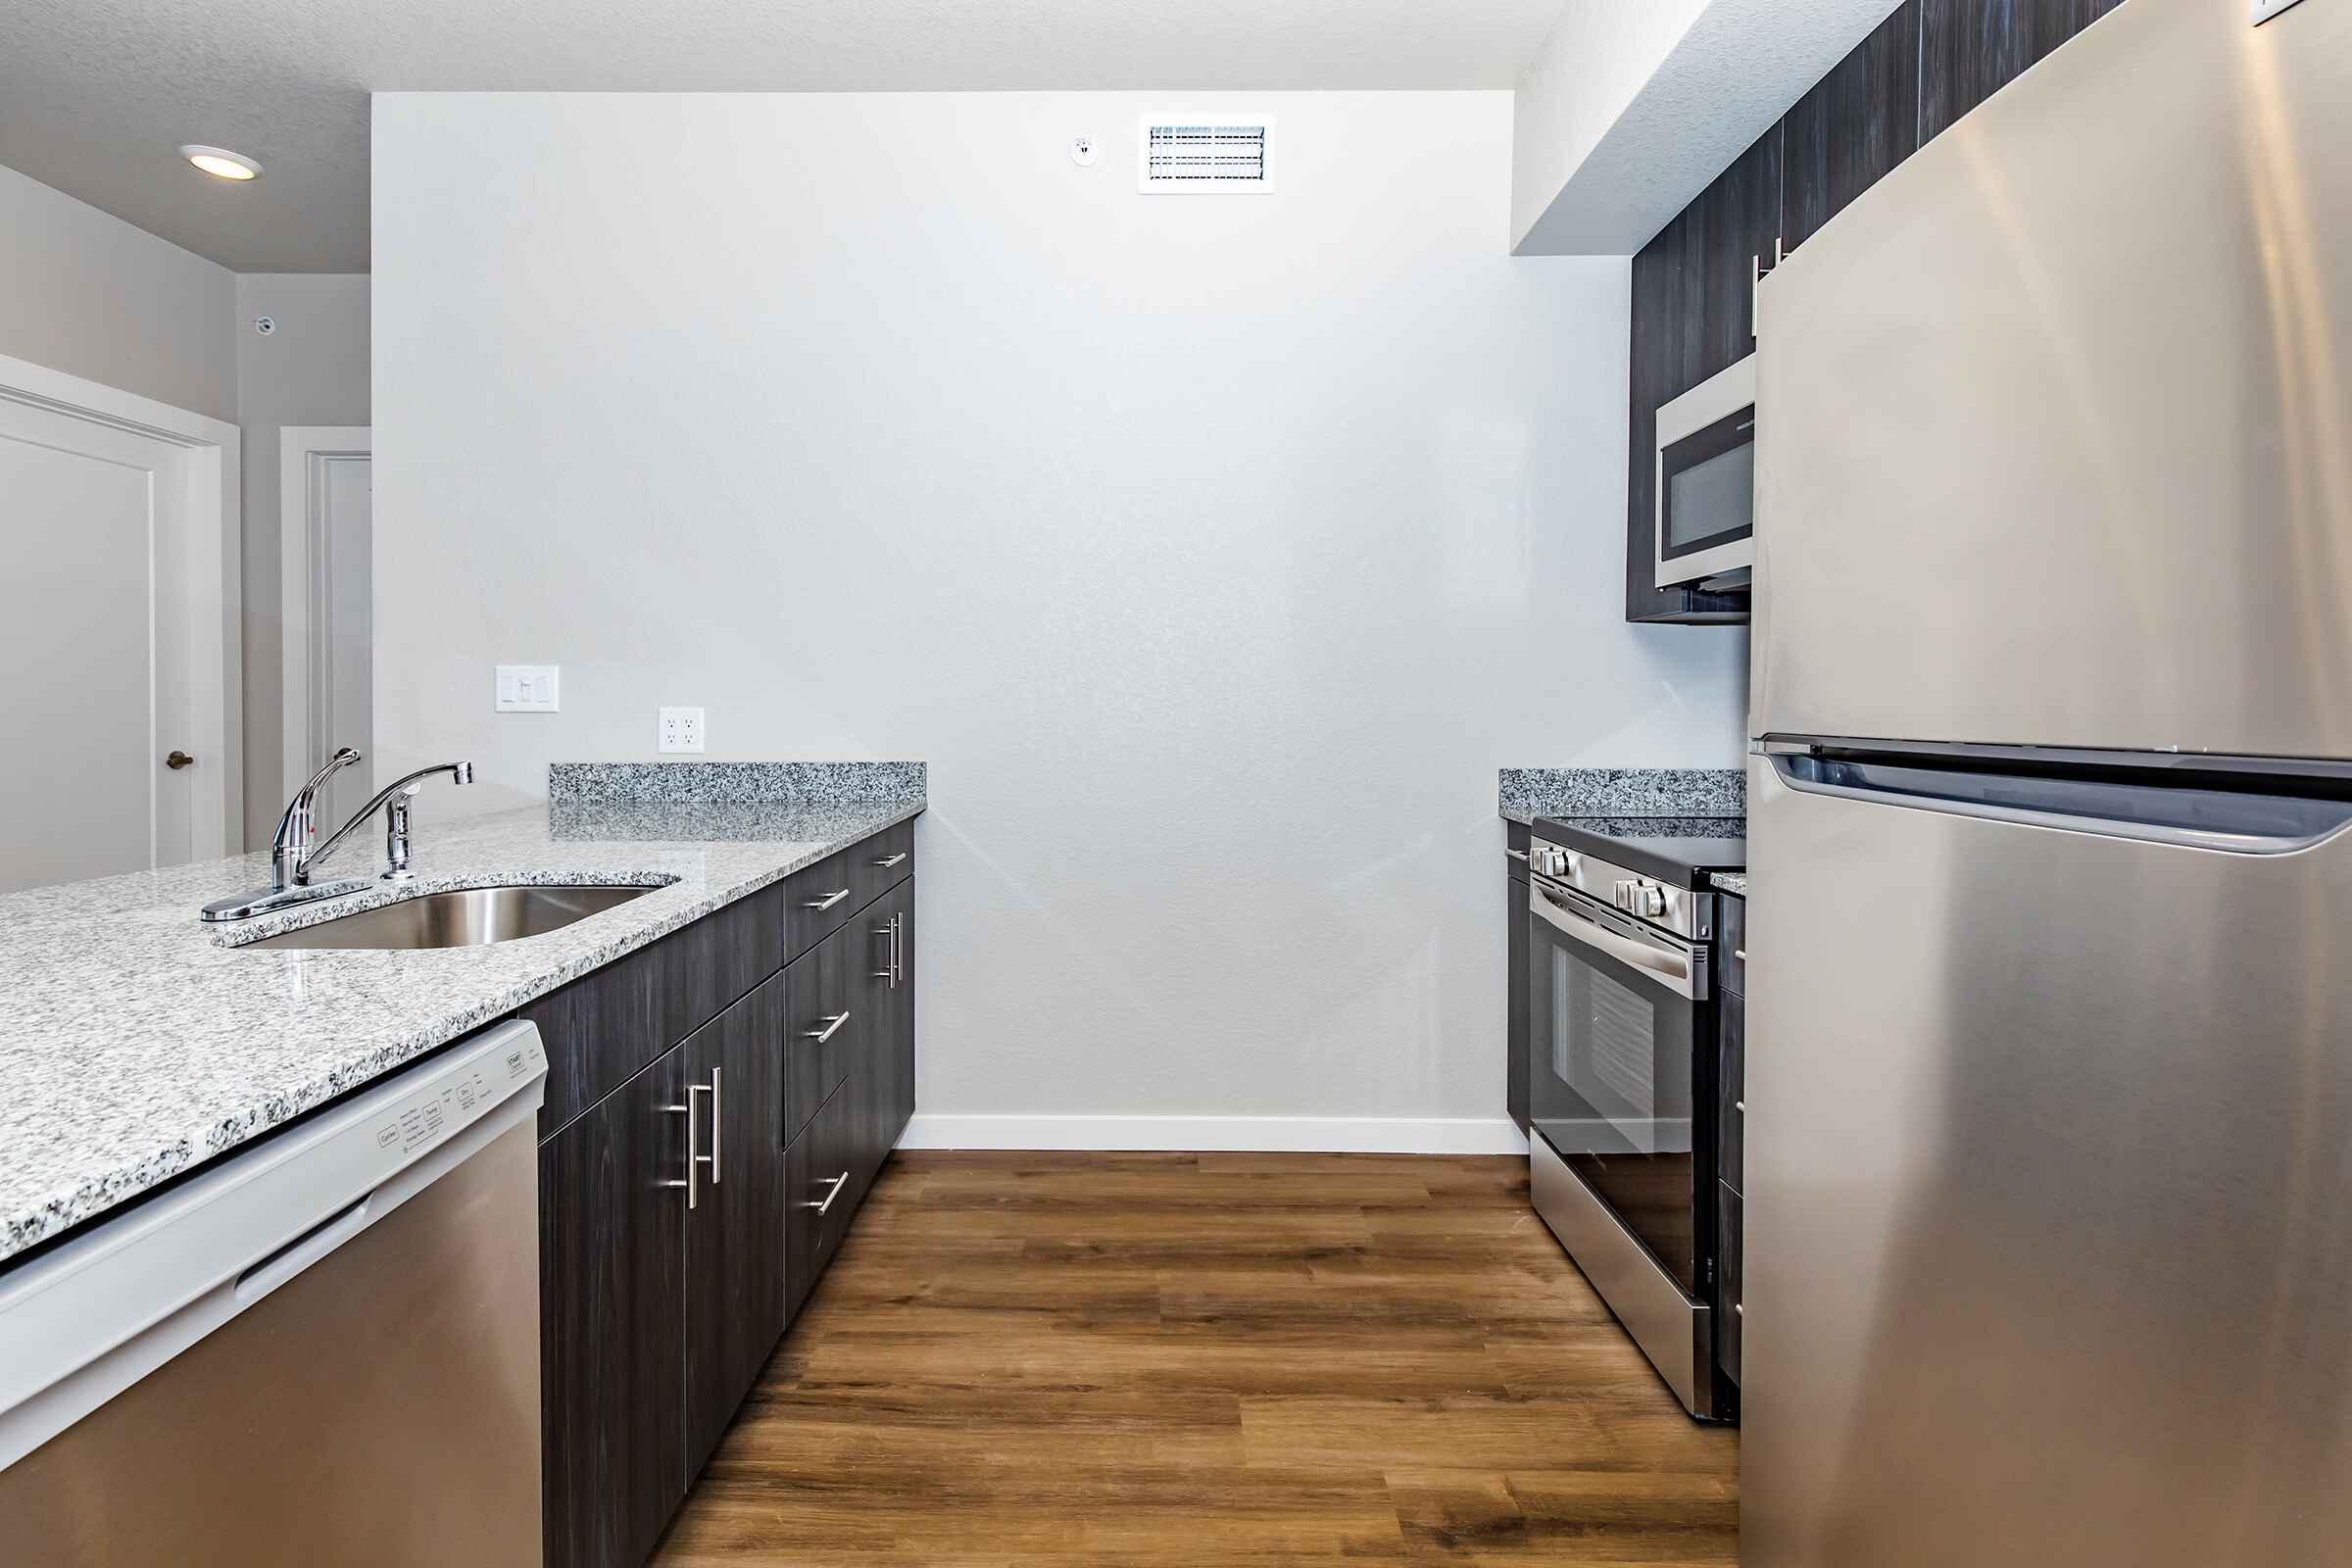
1707 478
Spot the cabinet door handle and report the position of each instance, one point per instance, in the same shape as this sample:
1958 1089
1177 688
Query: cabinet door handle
827 901
898 970
832 1026
892 861
1740 953
1739 1106
719 1113
837 1183
890 964
694 1155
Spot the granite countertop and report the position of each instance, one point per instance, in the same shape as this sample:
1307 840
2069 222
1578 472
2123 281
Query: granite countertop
135 1042
1524 794
1730 882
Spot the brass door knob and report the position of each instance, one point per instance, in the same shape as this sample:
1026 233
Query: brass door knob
177 760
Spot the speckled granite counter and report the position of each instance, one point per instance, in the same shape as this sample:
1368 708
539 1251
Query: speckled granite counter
134 1044
1728 882
1523 794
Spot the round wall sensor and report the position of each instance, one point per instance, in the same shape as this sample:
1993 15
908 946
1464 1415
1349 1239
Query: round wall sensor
264 325
1083 152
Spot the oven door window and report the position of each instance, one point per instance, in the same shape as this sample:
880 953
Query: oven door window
1613 1048
1709 497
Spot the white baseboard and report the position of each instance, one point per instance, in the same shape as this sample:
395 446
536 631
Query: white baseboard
1286 1135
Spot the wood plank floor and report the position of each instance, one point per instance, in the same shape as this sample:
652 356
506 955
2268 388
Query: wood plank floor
1197 1359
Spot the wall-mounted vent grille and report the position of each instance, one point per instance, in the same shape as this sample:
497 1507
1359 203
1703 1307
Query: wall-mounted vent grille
1194 154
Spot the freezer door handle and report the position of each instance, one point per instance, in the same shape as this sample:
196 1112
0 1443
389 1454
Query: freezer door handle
2163 805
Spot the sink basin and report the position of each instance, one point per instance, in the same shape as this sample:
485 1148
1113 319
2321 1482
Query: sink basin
469 918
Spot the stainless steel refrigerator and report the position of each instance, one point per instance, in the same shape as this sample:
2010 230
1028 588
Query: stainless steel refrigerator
2049 1065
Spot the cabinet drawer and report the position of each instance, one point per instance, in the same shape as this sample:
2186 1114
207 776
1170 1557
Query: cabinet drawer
1730 1088
823 1032
1731 934
817 900
882 862
1727 1241
822 1190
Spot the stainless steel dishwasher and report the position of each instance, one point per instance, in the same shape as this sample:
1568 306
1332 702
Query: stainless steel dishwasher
323 1350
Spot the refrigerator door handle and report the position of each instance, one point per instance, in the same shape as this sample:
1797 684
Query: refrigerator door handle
2176 811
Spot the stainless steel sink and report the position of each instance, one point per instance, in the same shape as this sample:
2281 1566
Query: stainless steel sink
468 918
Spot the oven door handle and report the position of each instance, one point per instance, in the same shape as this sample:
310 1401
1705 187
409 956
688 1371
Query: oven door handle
1680 970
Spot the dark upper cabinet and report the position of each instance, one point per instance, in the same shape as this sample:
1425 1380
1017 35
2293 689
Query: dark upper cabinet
1739 223
1692 315
1858 122
736 1290
1969 49
612 1309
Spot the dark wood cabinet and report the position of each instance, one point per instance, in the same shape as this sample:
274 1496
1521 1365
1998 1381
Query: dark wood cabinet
1731 1089
825 1026
736 1293
890 1049
1970 49
696 1059
1515 1015
1694 297
1729 1241
612 1273
1857 124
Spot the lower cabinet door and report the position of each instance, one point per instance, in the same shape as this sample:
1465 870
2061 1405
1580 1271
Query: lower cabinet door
887 1060
822 1186
736 1286
1729 1241
1515 1064
612 1291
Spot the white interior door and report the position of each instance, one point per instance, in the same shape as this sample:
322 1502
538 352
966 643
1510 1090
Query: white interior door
117 646
326 489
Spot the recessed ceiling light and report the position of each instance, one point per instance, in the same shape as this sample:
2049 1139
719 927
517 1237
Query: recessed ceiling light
221 162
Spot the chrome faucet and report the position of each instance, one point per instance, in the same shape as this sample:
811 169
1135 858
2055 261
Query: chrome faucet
292 854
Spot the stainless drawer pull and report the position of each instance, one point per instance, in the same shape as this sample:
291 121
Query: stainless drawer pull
837 1183
831 1028
1516 855
886 864
828 902
1739 1106
1737 1310
718 1111
694 1155
890 971
1740 953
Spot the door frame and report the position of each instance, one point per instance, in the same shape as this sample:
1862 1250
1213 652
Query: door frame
302 450
209 474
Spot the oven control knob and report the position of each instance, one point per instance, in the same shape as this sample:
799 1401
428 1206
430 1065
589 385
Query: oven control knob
1649 900
1621 894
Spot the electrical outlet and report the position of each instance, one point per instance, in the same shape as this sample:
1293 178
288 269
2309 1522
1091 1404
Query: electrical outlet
527 688
681 730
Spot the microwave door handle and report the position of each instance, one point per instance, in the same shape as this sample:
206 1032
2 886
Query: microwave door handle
1678 970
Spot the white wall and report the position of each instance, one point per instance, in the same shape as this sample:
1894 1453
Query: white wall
1214 551
83 292
312 369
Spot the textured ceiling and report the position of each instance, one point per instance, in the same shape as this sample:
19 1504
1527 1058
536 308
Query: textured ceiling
96 95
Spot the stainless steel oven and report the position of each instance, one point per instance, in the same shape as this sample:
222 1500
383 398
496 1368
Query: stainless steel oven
1708 479
1622 1101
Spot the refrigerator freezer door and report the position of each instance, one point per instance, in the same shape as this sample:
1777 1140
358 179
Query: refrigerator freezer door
2048 1138
2054 442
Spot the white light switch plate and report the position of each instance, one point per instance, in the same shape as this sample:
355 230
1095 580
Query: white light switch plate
681 729
528 688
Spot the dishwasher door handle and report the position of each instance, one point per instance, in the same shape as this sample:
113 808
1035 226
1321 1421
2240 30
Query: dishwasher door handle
302 1252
